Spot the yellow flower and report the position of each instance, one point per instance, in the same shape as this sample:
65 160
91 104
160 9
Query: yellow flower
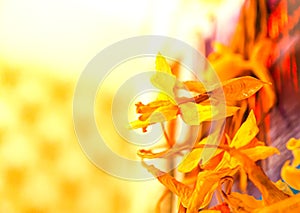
244 140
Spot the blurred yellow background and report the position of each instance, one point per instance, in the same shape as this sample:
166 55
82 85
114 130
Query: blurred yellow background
44 46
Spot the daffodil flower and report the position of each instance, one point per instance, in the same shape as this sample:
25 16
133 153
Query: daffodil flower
195 110
244 140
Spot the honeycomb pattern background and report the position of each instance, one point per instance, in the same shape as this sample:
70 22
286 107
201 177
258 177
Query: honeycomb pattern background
42 167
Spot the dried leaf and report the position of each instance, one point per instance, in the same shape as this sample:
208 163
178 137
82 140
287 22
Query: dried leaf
246 132
237 89
290 205
181 190
260 152
207 182
270 193
243 202
200 196
291 175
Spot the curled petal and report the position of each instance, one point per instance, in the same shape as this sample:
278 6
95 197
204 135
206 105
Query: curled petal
243 202
270 193
284 187
291 175
294 145
207 182
181 190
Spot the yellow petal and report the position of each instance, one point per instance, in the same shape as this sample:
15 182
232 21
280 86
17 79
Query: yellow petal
237 89
294 145
162 64
163 79
190 161
189 113
194 114
165 82
260 152
139 124
246 132
227 162
165 113
291 175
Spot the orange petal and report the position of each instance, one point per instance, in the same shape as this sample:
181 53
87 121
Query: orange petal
291 175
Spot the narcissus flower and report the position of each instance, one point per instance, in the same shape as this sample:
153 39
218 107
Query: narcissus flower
244 140
194 110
